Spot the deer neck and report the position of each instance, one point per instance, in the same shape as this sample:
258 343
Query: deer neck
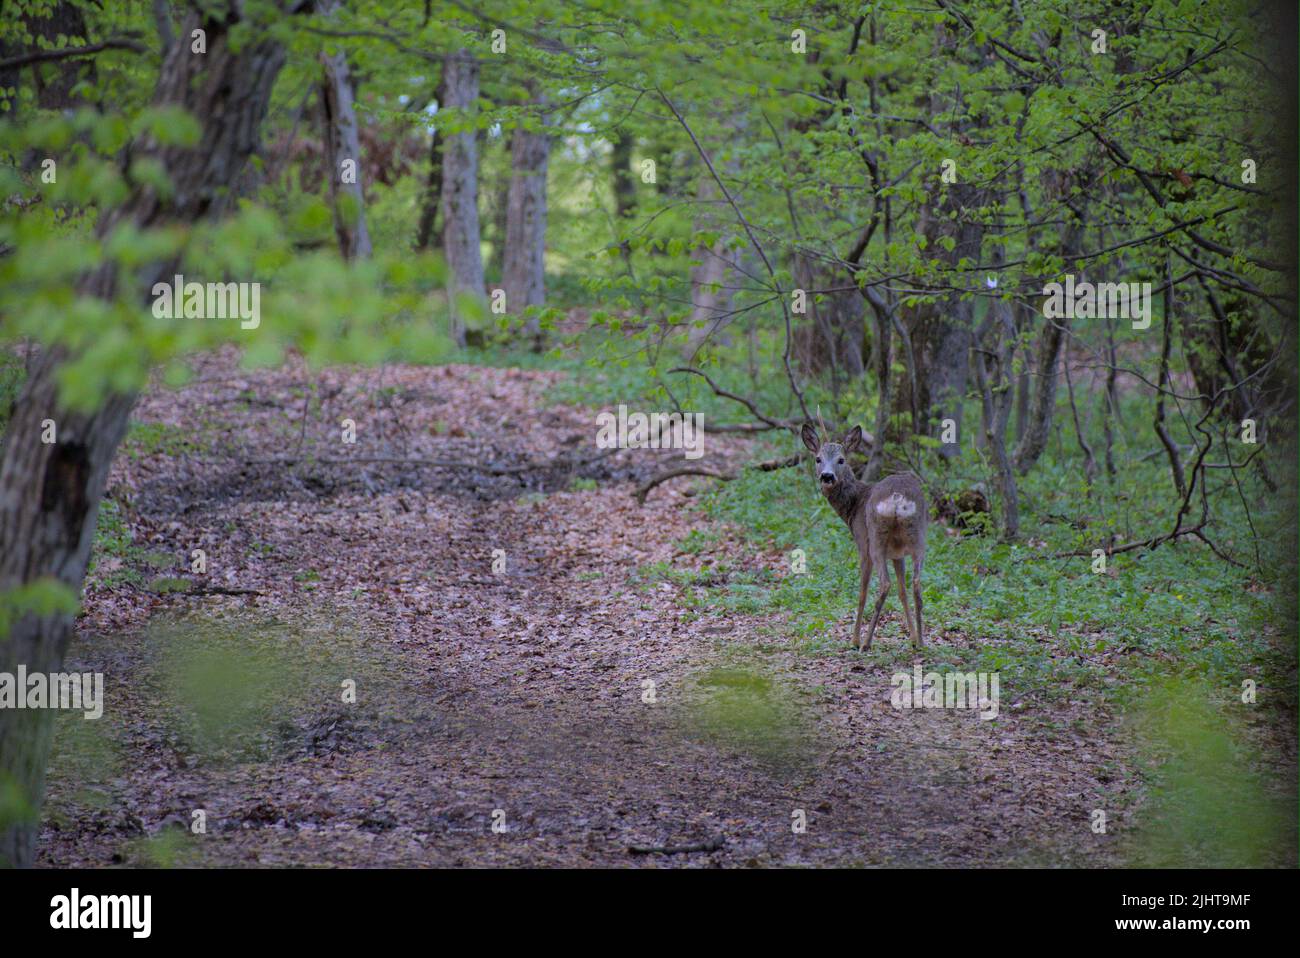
846 497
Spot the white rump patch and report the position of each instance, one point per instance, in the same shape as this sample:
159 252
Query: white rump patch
896 507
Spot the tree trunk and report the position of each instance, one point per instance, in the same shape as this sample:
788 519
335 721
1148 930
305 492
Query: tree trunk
624 184
496 265
460 226
713 271
624 192
882 350
942 333
1080 430
49 497
948 365
831 335
1023 386
55 85
993 374
343 153
1162 384
525 278
49 493
1042 401
1110 398
427 234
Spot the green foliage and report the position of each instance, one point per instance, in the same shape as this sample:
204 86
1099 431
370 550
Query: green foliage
12 375
41 597
786 130
116 560
745 709
1049 624
365 312
170 848
1211 808
228 693
809 146
246 692
156 438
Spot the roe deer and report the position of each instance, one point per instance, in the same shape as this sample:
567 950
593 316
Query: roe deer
887 519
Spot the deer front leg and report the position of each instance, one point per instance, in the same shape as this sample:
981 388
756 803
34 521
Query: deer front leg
862 600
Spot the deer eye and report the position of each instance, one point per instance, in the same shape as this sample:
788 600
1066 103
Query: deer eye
841 460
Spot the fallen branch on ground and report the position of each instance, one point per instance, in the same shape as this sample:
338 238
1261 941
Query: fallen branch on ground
216 590
710 846
493 469
769 466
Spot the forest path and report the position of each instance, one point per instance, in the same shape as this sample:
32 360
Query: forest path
516 697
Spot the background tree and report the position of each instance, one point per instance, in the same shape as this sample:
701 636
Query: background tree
460 223
49 492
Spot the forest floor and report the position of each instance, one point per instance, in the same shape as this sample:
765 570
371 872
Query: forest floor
517 698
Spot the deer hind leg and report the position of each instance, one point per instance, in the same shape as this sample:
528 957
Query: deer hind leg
863 586
902 597
880 602
917 559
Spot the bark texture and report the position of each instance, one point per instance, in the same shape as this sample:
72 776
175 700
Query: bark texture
1042 399
831 335
994 357
941 334
460 223
525 253
343 153
50 493
427 235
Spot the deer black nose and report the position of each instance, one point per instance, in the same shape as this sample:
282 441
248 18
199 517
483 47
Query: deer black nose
828 478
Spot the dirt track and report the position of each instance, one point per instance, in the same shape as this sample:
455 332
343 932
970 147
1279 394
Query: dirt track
521 691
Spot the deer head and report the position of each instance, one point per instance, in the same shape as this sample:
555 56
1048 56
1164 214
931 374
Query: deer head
832 458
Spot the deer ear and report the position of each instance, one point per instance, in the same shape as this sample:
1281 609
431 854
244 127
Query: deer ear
809 436
853 439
